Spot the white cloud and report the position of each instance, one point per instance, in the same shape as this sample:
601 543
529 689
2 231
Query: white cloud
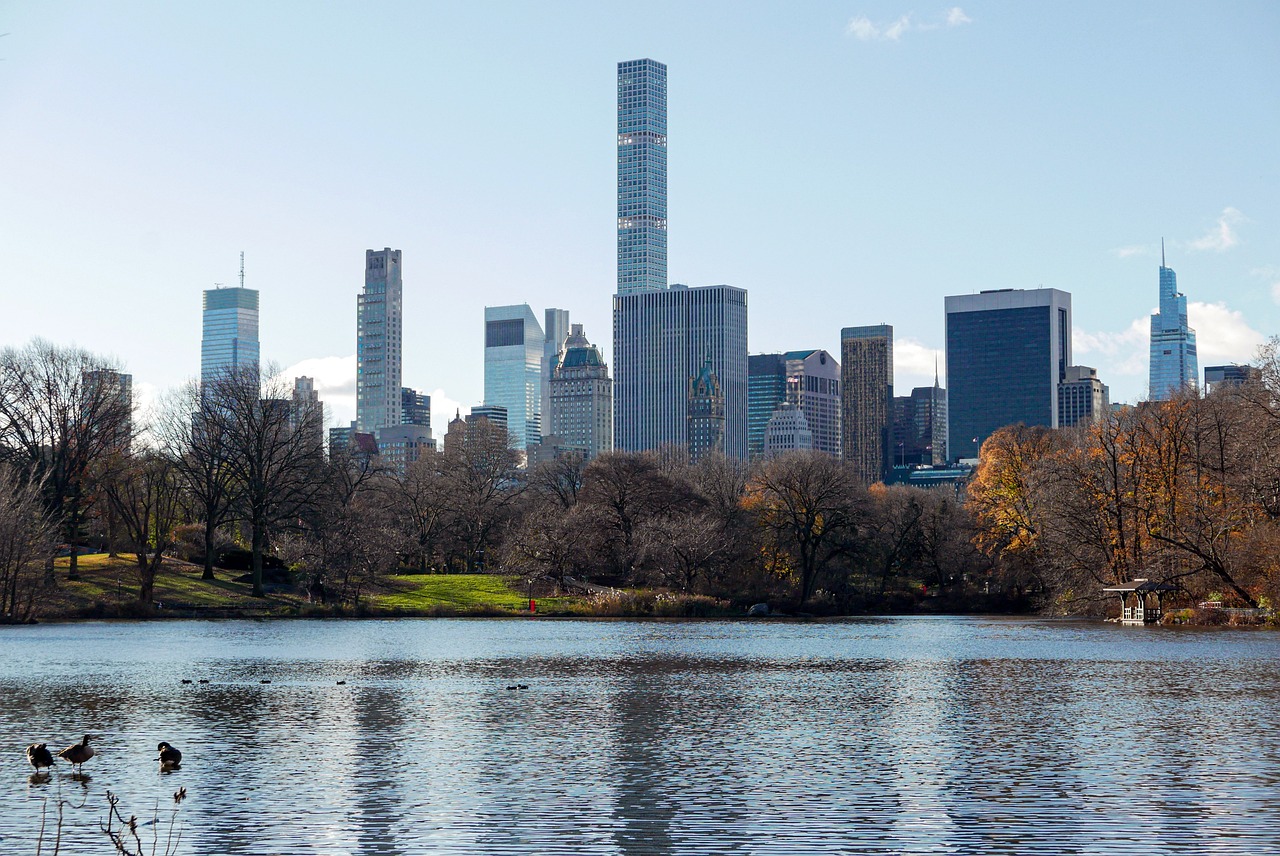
913 365
866 30
1123 353
335 379
443 409
1222 236
1222 334
1131 250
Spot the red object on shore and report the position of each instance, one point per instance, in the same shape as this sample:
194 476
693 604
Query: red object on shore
533 605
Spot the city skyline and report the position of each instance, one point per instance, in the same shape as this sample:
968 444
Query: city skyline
876 209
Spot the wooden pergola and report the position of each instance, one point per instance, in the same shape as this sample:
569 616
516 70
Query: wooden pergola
1140 600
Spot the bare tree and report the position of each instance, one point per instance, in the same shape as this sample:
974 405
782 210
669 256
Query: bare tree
809 505
481 482
57 415
146 492
25 536
275 464
196 442
421 504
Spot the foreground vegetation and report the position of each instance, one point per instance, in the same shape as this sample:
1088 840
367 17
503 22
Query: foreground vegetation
234 476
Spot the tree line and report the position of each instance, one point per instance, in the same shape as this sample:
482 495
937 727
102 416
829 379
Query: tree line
1186 491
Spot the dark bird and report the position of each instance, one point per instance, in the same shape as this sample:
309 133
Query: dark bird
204 680
39 756
522 686
169 757
342 683
264 681
77 753
186 680
179 795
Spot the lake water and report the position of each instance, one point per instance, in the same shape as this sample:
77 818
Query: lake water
912 735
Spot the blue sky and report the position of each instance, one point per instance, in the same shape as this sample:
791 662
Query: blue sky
848 163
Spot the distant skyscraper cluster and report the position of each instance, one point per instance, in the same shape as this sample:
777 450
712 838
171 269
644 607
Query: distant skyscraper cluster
682 374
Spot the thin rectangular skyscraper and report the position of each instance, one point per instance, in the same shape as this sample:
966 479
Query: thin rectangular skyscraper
642 175
866 396
379 315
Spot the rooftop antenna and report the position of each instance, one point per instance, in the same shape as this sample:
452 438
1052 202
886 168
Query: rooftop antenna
1162 252
242 268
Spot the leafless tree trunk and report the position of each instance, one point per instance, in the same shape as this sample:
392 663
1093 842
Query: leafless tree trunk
60 411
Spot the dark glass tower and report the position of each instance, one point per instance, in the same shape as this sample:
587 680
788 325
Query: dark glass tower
1007 354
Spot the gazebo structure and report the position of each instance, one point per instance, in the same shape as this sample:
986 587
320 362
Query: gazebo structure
1140 601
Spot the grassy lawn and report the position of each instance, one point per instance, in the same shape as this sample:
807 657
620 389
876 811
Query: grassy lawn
104 580
463 592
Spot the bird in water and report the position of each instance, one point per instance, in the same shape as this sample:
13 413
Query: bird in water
77 753
39 756
170 758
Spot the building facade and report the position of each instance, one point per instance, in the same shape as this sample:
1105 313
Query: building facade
555 329
401 445
642 175
1173 343
706 414
581 399
787 431
513 342
307 412
1225 376
866 391
379 335
660 339
106 400
920 427
807 378
229 340
415 408
1082 398
1007 352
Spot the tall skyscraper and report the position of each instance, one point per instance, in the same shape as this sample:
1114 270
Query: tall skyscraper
642 175
230 331
660 339
1173 343
866 393
555 330
379 332
766 390
1007 352
513 369
581 412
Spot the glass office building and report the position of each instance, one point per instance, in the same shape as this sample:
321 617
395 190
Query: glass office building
1007 353
642 175
513 343
660 340
229 342
379 333
1174 364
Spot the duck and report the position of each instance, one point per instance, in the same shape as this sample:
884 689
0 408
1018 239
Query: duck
77 753
39 756
169 756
